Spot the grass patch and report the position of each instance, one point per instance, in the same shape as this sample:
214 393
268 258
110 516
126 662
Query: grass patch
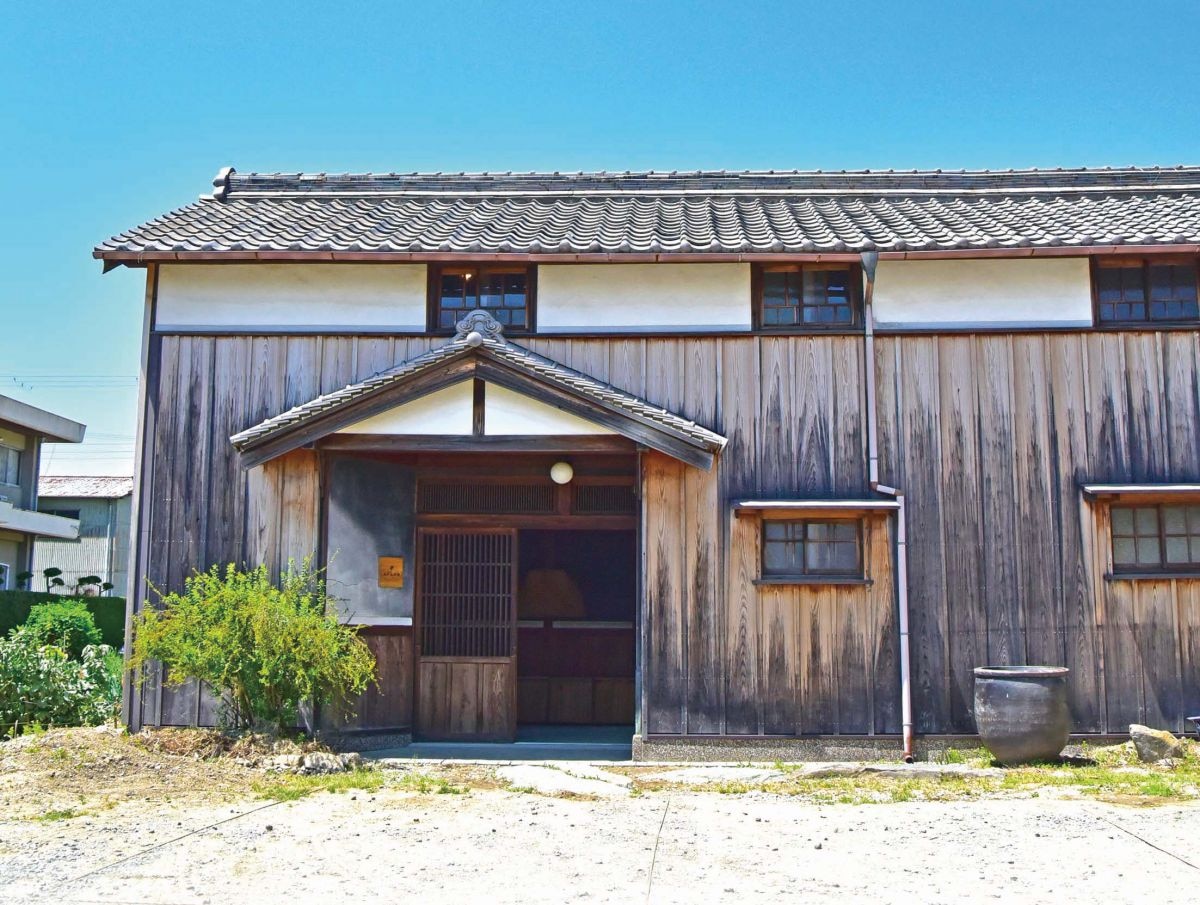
1179 784
61 814
290 787
1111 773
426 784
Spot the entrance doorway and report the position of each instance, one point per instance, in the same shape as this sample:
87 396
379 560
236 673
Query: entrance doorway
525 601
576 610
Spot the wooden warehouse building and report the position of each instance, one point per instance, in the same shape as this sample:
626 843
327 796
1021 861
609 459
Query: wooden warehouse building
732 459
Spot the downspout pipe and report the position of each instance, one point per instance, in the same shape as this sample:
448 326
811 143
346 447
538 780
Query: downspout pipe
870 260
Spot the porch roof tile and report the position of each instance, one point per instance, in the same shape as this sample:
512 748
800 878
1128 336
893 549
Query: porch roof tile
479 335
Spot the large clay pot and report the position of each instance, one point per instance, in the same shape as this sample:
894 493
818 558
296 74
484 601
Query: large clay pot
1021 711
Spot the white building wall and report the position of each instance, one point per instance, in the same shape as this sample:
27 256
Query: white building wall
315 297
609 298
612 298
984 292
506 413
446 412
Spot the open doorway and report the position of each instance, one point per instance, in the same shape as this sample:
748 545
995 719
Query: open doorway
576 611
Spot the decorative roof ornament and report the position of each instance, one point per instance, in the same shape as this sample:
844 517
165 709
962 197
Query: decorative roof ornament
477 326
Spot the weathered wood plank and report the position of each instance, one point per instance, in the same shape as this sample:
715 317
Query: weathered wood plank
1067 360
299 507
664 677
738 477
227 500
919 431
808 410
848 445
1039 567
1005 640
778 666
1155 632
883 634
1181 377
1147 413
851 655
701 530
960 477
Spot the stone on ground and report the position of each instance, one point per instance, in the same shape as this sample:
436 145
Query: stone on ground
698 776
591 771
1154 745
550 781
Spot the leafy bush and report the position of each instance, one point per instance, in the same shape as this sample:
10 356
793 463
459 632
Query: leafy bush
264 647
41 686
65 624
109 612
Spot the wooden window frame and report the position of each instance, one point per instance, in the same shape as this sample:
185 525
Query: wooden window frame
813 576
854 285
1164 569
1100 262
433 294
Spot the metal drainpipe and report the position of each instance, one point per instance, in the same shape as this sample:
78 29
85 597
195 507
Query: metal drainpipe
870 259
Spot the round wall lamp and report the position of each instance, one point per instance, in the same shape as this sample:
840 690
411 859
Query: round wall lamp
561 472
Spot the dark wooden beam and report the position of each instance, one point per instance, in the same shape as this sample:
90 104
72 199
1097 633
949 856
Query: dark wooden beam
556 443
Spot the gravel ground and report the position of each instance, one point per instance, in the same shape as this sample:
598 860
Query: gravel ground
502 846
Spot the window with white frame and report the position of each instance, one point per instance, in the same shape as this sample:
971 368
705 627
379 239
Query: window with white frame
10 465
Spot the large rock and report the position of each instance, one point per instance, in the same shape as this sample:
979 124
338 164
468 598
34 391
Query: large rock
317 763
1153 745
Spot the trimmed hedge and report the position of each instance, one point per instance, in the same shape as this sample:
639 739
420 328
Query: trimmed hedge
109 613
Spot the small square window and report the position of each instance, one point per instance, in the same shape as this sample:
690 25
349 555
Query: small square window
504 292
811 549
1163 538
1146 291
807 296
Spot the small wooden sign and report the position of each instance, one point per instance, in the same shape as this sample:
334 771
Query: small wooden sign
391 571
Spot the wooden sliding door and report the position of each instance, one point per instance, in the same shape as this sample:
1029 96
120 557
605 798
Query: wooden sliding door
466 631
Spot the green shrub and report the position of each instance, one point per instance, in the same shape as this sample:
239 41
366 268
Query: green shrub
264 647
65 624
109 612
41 686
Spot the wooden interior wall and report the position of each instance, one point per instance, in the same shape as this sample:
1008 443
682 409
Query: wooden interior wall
989 435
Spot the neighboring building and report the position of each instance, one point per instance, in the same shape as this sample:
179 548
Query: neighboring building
731 458
101 505
23 430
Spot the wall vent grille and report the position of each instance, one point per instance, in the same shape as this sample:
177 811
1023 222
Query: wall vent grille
452 497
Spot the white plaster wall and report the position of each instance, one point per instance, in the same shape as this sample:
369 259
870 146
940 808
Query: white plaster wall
614 297
291 296
514 414
445 412
982 292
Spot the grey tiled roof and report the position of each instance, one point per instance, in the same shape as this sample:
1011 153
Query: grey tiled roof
488 342
672 213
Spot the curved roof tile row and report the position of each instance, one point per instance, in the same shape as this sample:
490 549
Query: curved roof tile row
671 213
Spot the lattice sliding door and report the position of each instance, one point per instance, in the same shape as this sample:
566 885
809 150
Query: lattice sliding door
466 633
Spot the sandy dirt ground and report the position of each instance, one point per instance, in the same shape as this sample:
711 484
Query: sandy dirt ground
502 846
88 816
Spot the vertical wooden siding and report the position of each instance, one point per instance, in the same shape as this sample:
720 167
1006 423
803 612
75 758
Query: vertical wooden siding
990 437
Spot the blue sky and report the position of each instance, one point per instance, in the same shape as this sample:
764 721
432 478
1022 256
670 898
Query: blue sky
116 114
